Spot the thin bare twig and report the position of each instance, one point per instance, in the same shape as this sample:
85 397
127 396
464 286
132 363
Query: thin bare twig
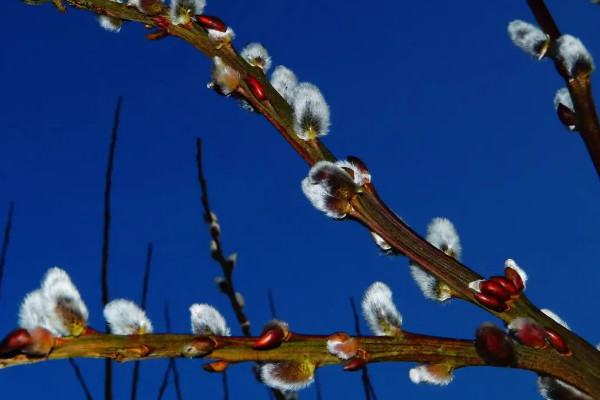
218 255
106 237
369 390
136 367
7 229
225 386
318 387
80 379
171 367
271 304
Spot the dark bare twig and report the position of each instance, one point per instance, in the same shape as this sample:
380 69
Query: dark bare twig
271 304
172 366
318 387
366 380
165 381
136 367
106 237
86 391
7 228
225 387
218 252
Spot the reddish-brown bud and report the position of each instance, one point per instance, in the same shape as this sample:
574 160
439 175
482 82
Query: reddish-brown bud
557 342
494 289
217 366
162 22
505 283
528 332
355 364
17 340
494 345
272 337
42 342
256 88
515 278
361 166
209 22
491 302
157 35
566 116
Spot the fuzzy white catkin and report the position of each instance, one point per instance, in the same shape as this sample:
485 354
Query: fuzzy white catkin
442 234
111 24
256 54
58 288
34 312
528 38
284 81
225 77
554 389
422 374
318 189
286 375
179 10
573 55
378 307
311 112
563 97
206 319
125 318
555 317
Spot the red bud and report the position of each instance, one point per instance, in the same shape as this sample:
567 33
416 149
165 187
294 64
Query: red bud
257 89
217 366
355 364
491 302
162 22
505 283
494 345
557 342
271 338
209 22
494 289
358 163
42 342
157 35
528 332
15 341
566 116
515 278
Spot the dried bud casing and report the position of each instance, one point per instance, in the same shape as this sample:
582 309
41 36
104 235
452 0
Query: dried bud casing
217 366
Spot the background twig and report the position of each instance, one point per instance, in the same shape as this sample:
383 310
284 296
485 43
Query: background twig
6 239
172 366
105 239
136 367
369 390
80 379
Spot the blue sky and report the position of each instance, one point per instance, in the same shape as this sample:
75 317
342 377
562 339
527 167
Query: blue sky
450 117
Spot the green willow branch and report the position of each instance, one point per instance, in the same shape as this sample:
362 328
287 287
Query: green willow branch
406 347
581 369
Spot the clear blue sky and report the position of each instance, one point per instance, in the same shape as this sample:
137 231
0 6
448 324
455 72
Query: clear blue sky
451 118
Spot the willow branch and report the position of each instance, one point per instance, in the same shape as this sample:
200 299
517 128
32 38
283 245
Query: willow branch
580 88
406 347
371 211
